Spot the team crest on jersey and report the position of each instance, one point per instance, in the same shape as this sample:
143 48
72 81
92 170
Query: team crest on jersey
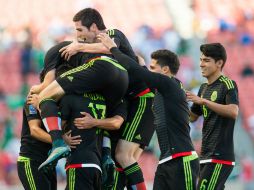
214 96
32 110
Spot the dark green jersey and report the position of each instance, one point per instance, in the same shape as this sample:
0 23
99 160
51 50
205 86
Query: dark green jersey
217 132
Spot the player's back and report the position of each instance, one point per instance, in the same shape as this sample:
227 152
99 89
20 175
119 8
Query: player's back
89 151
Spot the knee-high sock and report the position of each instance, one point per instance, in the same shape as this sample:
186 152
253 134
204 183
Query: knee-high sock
120 178
50 118
135 177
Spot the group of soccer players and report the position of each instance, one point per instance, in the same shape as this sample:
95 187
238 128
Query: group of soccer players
97 99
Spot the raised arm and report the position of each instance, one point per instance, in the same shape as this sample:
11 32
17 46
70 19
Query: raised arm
37 132
153 80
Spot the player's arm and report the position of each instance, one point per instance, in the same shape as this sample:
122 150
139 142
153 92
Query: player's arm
228 110
37 132
72 141
49 77
153 80
93 48
76 47
87 122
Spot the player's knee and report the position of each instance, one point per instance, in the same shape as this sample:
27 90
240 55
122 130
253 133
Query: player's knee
120 157
124 157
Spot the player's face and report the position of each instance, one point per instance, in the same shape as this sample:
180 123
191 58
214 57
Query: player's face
154 67
208 66
84 34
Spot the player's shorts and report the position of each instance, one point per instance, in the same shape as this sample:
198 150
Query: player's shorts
101 75
179 173
139 126
83 178
213 176
31 178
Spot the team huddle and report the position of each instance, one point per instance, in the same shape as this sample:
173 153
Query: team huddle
98 105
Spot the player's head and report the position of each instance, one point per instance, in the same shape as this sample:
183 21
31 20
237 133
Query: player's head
53 59
213 58
164 62
88 23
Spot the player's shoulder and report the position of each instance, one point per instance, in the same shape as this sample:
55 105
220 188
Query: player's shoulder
203 85
227 82
115 32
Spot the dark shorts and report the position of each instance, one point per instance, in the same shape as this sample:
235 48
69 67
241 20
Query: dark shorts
31 178
213 176
103 76
179 173
83 178
139 126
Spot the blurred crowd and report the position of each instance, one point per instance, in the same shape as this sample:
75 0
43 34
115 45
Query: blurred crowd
23 47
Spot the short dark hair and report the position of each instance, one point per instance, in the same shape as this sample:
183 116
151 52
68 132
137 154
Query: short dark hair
88 16
215 51
165 57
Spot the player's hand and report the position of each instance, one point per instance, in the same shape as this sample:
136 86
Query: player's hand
70 50
141 61
72 141
194 98
35 89
85 122
33 99
106 40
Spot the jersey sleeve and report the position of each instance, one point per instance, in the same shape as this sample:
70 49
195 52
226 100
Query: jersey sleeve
153 80
120 110
31 112
232 95
195 108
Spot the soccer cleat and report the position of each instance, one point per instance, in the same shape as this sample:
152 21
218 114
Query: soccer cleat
59 150
108 172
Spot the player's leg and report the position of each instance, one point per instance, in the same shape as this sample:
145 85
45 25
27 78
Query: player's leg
108 164
180 172
52 121
125 156
31 178
138 153
137 131
213 176
83 178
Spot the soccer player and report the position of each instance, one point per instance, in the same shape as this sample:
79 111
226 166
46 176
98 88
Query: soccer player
178 166
138 129
35 145
217 101
92 76
83 166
